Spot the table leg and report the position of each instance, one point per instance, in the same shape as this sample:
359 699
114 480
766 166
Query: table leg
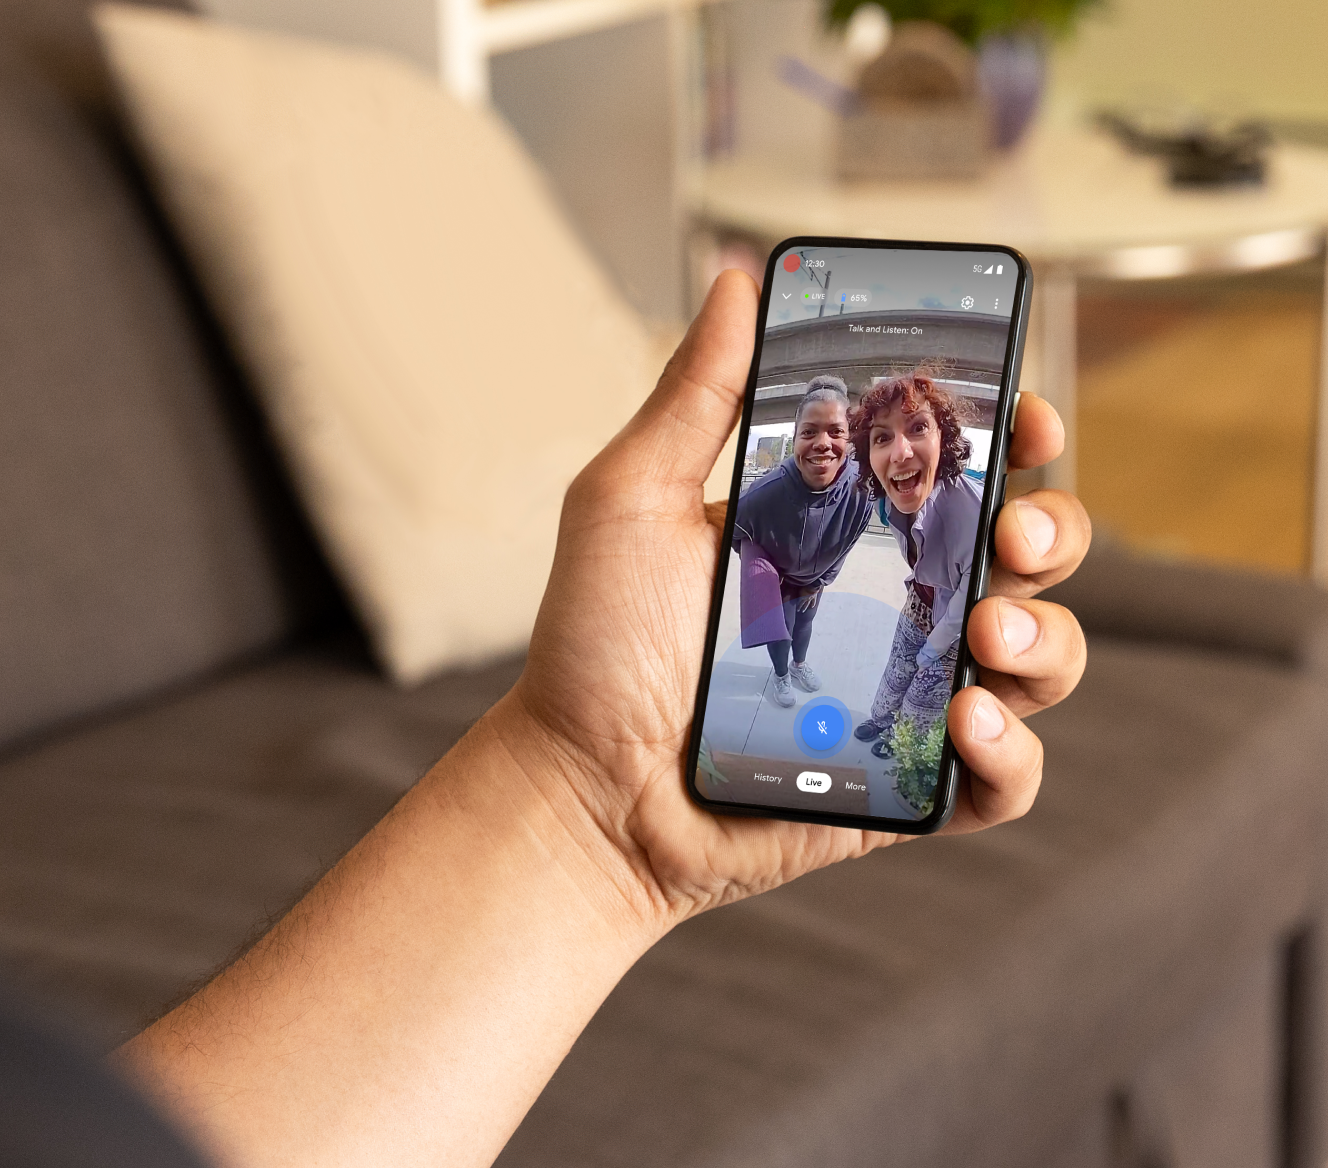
1319 490
1060 352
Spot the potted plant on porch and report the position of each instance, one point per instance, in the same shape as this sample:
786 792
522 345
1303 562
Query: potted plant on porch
917 762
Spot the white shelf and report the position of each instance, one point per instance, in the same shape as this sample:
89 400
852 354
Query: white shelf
519 24
470 32
472 35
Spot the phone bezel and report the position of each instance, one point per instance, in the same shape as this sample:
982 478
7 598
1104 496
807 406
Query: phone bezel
947 784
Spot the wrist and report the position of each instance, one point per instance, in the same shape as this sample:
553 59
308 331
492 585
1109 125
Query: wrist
520 769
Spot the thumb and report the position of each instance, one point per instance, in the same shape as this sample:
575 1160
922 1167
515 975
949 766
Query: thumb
682 426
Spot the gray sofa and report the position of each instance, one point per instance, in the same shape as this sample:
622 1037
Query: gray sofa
191 730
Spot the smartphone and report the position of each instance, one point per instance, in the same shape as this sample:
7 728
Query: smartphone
870 467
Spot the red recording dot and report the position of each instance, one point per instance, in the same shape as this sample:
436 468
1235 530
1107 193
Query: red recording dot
792 263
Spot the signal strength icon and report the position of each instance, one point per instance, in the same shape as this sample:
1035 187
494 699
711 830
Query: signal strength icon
989 271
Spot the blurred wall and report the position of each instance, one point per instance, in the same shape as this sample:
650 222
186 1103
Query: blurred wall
408 27
1225 56
597 112
772 119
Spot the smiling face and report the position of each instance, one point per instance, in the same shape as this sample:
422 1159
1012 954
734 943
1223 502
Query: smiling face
820 444
905 451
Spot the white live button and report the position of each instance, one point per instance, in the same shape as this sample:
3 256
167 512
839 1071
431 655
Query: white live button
813 782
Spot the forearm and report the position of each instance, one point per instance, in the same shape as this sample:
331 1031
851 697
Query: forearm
413 1005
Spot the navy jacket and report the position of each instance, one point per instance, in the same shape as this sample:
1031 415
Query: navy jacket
806 534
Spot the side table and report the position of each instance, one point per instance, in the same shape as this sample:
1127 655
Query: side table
1078 206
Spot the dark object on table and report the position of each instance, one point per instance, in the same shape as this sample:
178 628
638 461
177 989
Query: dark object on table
1199 156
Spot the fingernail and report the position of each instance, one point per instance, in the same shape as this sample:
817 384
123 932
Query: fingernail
1038 527
1019 628
986 723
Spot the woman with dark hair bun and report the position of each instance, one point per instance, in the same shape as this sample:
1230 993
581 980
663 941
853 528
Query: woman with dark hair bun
794 528
911 452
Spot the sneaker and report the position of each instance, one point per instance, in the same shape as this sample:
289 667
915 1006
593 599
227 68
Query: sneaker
805 676
881 749
866 731
784 691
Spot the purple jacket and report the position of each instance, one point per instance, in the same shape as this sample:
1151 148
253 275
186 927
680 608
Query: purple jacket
761 599
805 534
945 532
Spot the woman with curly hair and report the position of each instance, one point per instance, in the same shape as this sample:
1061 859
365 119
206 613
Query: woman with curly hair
911 454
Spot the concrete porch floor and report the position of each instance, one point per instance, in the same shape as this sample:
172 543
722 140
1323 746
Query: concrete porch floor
849 649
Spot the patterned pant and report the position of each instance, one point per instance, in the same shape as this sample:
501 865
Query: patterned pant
905 690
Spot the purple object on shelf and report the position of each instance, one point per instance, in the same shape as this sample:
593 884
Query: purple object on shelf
797 74
1012 71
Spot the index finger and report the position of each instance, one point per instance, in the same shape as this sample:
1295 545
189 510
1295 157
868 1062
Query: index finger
1042 537
1039 435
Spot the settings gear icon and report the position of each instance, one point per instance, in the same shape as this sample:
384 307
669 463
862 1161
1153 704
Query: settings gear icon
966 302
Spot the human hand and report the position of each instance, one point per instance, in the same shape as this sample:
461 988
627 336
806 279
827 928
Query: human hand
605 705
411 1007
808 600
927 655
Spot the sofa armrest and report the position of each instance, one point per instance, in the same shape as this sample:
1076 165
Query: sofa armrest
1118 594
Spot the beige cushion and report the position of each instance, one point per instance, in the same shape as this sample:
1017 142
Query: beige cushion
436 352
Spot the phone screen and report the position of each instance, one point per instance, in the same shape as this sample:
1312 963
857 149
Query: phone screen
871 459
